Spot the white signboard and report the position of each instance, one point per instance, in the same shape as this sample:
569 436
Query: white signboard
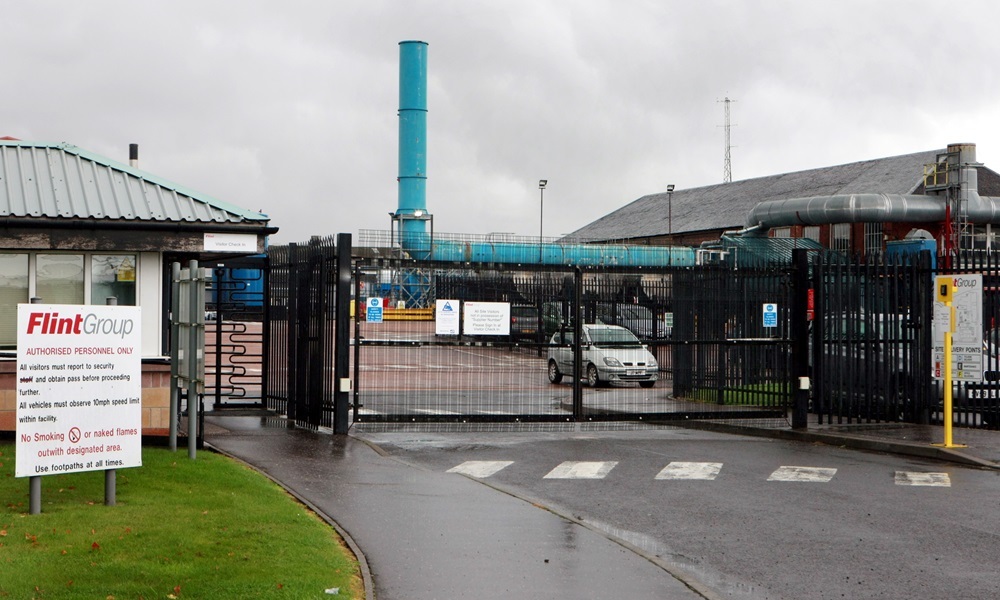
486 318
967 338
79 388
446 317
230 242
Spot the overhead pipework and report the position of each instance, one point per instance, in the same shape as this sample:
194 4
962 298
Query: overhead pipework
956 197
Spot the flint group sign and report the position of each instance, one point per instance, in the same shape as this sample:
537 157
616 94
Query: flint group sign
79 388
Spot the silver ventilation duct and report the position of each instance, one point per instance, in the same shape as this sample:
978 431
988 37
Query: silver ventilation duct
884 208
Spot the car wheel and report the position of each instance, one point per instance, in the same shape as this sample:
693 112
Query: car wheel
647 384
554 375
592 378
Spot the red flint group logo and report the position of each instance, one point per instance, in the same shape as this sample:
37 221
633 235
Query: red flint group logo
50 323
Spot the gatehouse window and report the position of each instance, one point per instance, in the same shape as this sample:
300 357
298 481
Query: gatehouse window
113 275
62 278
13 291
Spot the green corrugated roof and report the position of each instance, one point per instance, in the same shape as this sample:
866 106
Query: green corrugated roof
746 251
44 180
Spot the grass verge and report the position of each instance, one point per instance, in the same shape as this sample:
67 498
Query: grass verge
762 394
208 528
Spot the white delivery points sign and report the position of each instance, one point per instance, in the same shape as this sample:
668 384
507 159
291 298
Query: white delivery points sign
446 317
487 318
967 335
79 388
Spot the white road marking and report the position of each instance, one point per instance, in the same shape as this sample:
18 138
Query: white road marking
581 470
481 469
809 474
924 479
428 411
690 470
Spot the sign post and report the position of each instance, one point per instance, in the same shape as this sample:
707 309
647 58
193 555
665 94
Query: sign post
958 327
79 390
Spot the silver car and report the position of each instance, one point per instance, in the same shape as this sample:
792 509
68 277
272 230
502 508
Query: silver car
611 354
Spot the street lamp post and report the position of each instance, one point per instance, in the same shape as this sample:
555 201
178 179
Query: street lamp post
670 208
541 214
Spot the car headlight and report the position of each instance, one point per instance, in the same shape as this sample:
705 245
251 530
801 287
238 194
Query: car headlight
652 364
612 362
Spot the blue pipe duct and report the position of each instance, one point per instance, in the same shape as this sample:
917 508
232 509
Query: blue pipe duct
550 254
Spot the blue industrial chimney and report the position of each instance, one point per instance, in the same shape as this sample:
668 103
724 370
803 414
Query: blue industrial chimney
411 211
412 216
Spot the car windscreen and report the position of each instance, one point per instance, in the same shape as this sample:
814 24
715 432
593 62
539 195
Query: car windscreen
613 338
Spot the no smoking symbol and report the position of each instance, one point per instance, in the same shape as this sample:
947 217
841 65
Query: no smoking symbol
74 434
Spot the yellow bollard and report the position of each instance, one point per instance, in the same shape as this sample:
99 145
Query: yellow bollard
945 291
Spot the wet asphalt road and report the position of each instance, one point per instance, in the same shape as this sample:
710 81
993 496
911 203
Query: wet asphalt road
430 534
858 530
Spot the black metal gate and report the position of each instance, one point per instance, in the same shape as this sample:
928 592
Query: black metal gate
308 283
235 334
871 338
728 343
714 356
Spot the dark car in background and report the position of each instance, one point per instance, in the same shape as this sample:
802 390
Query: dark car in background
553 318
523 323
635 317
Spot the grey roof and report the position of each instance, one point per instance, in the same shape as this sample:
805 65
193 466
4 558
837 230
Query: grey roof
726 205
62 181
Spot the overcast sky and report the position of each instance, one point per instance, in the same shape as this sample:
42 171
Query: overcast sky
290 107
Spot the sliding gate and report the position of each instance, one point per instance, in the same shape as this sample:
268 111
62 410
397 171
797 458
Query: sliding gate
719 352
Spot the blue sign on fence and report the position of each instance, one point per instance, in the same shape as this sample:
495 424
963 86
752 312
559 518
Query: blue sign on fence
374 312
770 315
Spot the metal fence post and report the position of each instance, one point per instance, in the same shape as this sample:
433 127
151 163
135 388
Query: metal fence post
356 304
219 282
577 313
800 339
110 475
175 391
292 367
341 351
193 348
35 481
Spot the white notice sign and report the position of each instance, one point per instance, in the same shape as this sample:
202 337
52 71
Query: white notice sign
967 336
79 388
230 242
487 318
446 317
